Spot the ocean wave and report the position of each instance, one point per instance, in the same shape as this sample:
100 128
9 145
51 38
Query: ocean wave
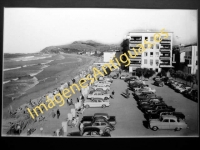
4 82
7 69
33 74
28 58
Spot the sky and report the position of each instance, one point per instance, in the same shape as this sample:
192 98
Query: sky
29 30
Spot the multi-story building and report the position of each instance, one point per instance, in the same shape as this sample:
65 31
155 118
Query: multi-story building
189 57
158 53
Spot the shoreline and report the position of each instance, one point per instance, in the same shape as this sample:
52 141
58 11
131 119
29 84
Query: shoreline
43 87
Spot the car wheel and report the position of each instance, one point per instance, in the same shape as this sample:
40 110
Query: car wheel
107 130
87 106
154 128
178 129
103 106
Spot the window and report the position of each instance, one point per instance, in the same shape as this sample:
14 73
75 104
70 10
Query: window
151 38
157 62
157 70
196 62
166 120
151 54
145 61
103 123
157 54
96 124
145 45
152 46
171 120
146 38
151 62
145 54
157 46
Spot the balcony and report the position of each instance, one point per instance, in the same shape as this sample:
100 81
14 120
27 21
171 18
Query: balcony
135 42
135 65
164 57
165 65
164 50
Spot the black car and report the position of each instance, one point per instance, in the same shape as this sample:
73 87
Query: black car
90 132
159 83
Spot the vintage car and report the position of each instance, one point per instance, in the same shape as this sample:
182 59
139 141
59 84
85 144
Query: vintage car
100 123
96 103
144 96
153 98
90 132
158 83
178 86
156 108
98 94
192 94
114 76
182 88
168 122
105 83
90 119
153 106
123 76
157 116
108 79
150 104
105 88
132 78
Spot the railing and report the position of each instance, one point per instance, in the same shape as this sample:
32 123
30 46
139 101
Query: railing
163 49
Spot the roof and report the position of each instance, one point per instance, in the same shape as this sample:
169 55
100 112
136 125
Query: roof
169 117
150 32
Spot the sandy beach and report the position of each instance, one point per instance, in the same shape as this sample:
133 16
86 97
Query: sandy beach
63 76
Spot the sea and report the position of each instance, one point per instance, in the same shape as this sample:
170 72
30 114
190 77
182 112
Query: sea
20 70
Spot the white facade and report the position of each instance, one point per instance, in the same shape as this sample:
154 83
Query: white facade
189 54
154 58
107 56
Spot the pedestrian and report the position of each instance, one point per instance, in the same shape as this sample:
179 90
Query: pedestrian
73 112
71 102
68 101
113 92
81 127
77 100
77 120
69 119
53 113
58 113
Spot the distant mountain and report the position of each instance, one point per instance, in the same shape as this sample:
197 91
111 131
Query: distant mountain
78 46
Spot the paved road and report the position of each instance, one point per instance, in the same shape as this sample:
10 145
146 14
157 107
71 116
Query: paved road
130 118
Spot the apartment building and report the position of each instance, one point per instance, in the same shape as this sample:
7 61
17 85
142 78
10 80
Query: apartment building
158 53
189 58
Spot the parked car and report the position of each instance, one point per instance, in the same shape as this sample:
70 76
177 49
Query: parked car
192 94
153 98
182 88
159 83
114 76
150 105
144 95
178 86
168 122
105 88
156 108
108 79
90 132
90 119
157 116
123 76
103 83
98 94
100 123
96 103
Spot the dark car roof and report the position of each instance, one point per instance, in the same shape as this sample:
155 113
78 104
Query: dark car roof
103 114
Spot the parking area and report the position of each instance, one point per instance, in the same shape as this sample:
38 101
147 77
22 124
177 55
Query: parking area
131 121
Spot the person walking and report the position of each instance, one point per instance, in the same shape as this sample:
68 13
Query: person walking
77 100
69 119
113 92
58 113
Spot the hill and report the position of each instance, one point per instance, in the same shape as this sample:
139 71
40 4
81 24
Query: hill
79 46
